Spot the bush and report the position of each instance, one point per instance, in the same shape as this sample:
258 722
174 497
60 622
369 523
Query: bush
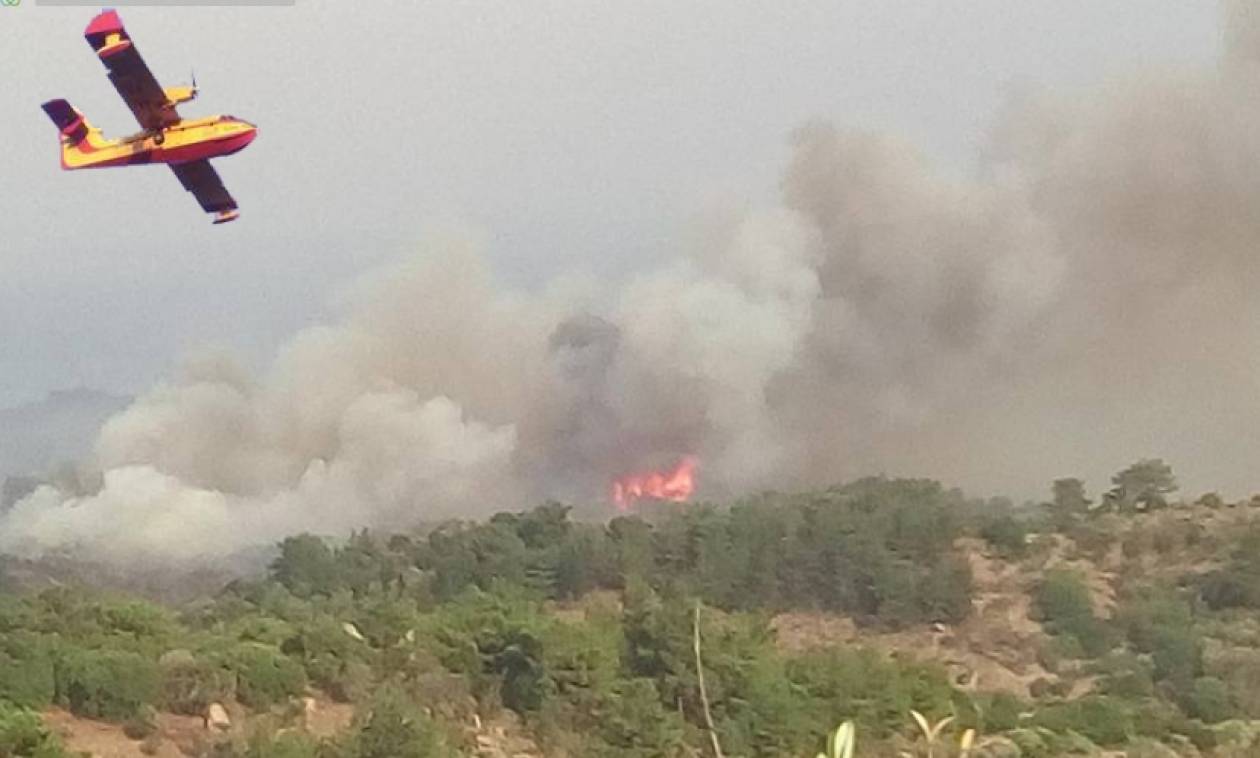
1094 538
1151 611
874 691
1209 700
264 676
1031 743
391 727
634 723
190 684
106 684
1126 675
1105 720
1057 649
26 671
1007 535
1230 588
22 735
1065 605
141 725
1240 670
285 745
1063 596
333 660
999 712
1178 655
497 641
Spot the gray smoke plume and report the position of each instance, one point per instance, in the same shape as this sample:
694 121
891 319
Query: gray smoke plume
1087 299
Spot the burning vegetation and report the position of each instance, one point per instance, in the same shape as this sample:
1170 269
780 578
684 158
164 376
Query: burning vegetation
675 485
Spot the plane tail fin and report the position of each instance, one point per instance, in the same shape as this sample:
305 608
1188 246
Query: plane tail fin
74 127
79 139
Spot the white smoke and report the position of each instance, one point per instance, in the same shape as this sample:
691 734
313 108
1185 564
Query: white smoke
1088 299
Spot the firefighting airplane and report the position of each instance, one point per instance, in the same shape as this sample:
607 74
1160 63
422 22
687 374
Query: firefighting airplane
186 145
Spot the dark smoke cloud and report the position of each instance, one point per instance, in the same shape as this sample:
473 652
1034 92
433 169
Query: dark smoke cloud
1087 299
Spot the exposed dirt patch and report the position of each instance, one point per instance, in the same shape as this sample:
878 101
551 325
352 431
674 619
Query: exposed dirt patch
798 632
502 736
325 718
598 602
994 649
179 736
102 740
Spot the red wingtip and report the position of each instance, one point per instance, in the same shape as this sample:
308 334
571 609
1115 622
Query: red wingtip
106 22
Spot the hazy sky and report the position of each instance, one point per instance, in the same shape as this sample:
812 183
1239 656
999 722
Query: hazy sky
578 135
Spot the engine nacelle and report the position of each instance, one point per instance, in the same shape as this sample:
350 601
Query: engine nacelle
177 95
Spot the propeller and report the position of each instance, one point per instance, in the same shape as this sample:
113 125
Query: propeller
193 75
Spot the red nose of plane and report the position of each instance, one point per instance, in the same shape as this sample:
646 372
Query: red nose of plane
238 141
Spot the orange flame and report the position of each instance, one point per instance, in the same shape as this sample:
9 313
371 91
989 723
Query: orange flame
675 485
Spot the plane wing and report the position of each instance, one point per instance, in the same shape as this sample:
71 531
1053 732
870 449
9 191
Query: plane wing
129 73
200 178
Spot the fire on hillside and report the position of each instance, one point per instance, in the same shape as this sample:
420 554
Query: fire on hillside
674 485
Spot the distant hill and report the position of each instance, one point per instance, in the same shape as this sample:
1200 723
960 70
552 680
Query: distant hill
61 427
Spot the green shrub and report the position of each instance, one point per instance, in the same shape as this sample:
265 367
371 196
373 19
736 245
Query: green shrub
1007 535
1159 719
264 629
334 661
1177 655
497 640
1062 595
1126 675
1209 701
635 723
1103 719
1032 743
1148 610
1093 539
999 712
874 691
26 671
143 724
191 684
23 735
282 745
390 726
1240 670
146 623
1063 647
1231 587
106 684
265 676
1066 608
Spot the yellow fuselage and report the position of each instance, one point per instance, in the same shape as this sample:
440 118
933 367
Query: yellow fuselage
188 140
